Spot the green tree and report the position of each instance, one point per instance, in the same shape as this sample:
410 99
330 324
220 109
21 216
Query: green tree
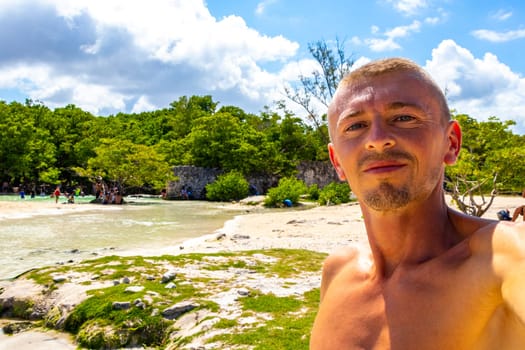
128 164
228 187
321 84
489 148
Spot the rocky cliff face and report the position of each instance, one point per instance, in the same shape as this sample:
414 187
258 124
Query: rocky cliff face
195 179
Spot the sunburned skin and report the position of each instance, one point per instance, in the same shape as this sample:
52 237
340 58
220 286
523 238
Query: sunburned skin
431 278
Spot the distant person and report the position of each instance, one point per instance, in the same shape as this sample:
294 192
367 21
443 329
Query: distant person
56 194
519 210
431 276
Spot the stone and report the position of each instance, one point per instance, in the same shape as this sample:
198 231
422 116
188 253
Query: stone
178 309
58 279
243 292
171 285
121 305
168 276
134 289
239 236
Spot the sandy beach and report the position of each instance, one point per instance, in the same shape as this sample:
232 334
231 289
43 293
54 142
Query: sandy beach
322 229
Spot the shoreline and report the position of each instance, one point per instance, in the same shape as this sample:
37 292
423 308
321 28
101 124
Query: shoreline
313 227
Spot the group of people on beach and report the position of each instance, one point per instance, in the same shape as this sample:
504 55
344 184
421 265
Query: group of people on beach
69 195
107 194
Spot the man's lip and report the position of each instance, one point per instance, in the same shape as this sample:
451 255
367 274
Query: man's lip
383 166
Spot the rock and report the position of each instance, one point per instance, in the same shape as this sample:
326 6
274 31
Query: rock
150 278
220 236
168 276
126 280
239 236
292 222
58 279
121 305
134 289
16 327
171 285
243 292
178 309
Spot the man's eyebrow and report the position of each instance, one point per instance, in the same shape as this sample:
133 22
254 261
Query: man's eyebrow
399 105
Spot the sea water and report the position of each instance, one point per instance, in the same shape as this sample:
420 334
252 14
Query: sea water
144 225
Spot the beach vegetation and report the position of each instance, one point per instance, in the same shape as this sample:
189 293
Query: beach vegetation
313 192
228 187
125 303
335 193
287 322
288 188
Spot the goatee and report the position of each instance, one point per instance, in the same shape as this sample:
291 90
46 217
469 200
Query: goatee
387 197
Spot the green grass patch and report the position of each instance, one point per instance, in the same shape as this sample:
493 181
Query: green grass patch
289 328
281 322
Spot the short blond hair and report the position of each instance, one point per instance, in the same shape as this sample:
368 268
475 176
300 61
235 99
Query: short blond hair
394 65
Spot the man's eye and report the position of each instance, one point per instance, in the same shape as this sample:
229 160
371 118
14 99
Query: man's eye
404 118
355 126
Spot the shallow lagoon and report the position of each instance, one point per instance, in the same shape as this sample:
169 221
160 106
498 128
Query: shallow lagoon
144 225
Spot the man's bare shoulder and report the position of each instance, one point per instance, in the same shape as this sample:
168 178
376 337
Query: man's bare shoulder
354 257
500 237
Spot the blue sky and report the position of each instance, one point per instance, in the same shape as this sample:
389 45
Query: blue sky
110 56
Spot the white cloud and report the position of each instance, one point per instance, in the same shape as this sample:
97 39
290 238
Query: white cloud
389 43
502 15
261 7
498 37
129 55
479 87
142 105
408 7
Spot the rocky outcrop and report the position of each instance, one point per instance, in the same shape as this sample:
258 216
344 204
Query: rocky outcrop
172 302
195 179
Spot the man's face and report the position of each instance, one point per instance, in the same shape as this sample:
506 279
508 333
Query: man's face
390 140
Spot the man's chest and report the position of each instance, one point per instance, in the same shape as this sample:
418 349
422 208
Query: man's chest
410 313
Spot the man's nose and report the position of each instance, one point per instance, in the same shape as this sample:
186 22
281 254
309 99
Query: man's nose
379 137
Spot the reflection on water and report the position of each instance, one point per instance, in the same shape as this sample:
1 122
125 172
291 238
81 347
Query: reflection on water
145 224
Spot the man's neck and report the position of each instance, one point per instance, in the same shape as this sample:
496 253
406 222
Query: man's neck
409 236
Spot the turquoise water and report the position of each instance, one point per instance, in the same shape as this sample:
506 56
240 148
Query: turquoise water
145 224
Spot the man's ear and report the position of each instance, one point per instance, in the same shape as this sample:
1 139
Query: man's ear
454 138
335 162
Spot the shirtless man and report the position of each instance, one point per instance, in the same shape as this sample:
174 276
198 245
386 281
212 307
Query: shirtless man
433 278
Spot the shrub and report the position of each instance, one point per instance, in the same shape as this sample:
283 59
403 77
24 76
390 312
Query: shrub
334 193
228 187
288 188
313 192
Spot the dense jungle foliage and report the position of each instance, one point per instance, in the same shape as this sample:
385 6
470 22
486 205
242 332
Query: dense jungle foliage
70 146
